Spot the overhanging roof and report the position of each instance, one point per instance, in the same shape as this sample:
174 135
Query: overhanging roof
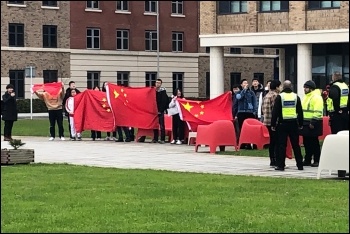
275 38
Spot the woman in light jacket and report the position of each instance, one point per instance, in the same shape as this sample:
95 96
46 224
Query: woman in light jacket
178 124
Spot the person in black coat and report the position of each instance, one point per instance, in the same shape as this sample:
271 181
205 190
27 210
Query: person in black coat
9 113
162 106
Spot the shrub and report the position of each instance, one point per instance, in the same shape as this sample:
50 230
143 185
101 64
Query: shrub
23 106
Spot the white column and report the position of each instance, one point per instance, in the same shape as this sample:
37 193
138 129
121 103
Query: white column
216 71
304 66
282 64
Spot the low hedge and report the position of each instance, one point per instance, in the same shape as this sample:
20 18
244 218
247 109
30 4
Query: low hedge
23 106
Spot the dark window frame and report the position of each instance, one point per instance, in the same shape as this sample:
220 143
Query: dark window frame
122 6
91 5
49 38
259 51
177 7
317 5
235 50
17 34
150 38
228 7
91 79
50 76
150 79
49 3
151 7
93 36
15 77
260 76
178 80
177 43
123 78
235 78
284 7
15 2
121 39
207 84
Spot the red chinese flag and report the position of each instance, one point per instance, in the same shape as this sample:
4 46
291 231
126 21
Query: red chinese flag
133 107
206 112
53 89
92 112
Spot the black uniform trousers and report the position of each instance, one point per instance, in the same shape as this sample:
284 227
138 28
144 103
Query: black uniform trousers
56 116
126 132
273 146
95 134
288 128
162 129
312 148
8 128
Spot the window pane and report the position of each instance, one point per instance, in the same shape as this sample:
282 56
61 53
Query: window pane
154 35
265 5
224 7
346 64
235 6
174 46
276 5
180 46
89 33
179 36
89 42
154 44
319 64
173 8
325 4
96 43
125 44
119 33
96 32
147 44
119 44
243 6
125 34
20 40
12 28
336 3
334 64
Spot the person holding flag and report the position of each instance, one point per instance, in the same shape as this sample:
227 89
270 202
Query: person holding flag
70 110
52 94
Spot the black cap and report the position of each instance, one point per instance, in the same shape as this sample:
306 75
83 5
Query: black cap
310 84
10 86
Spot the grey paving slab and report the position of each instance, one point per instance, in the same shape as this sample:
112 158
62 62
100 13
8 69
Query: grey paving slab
156 156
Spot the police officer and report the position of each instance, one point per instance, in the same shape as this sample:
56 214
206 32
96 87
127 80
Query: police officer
338 107
287 118
312 104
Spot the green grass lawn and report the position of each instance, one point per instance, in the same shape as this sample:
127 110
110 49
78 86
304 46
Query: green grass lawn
66 198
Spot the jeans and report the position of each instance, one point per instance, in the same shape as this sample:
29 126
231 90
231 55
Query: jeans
162 128
56 116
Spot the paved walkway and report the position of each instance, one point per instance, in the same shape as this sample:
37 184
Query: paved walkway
156 156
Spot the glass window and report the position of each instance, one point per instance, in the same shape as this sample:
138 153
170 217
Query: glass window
122 5
334 64
92 5
50 76
49 3
177 41
323 4
319 64
93 38
178 79
150 79
274 6
235 78
207 84
123 78
17 80
229 7
93 79
151 40
16 35
122 39
177 7
49 36
151 6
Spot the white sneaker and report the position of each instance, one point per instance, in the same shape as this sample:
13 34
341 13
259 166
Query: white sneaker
62 139
178 142
51 138
107 138
172 142
114 139
98 139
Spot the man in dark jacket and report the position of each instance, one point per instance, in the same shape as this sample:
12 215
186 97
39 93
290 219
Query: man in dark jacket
287 118
66 96
9 113
162 105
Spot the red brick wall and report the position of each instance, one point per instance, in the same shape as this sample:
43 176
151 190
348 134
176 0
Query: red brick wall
108 21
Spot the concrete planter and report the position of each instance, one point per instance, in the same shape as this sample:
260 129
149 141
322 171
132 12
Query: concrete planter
18 156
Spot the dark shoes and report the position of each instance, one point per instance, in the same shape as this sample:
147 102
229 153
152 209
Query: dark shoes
141 139
272 163
279 168
300 168
119 140
315 164
154 141
8 139
161 142
306 164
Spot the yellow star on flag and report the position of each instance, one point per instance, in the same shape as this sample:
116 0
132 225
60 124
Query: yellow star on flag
116 94
196 115
104 99
104 105
108 110
187 106
202 106
201 113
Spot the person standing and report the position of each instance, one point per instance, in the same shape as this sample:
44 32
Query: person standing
96 134
312 104
114 133
178 127
162 106
260 112
9 111
267 107
235 89
66 96
287 118
257 89
245 105
54 106
70 109
338 107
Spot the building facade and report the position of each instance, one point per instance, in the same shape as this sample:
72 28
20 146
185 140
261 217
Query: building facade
312 37
34 33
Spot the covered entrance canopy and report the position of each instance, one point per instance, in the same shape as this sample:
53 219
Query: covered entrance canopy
303 40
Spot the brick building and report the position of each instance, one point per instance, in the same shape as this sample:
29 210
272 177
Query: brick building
34 33
312 37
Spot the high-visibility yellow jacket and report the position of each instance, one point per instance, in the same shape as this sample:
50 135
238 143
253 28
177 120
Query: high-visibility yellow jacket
312 104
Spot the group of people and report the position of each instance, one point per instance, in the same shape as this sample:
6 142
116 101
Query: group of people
287 116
